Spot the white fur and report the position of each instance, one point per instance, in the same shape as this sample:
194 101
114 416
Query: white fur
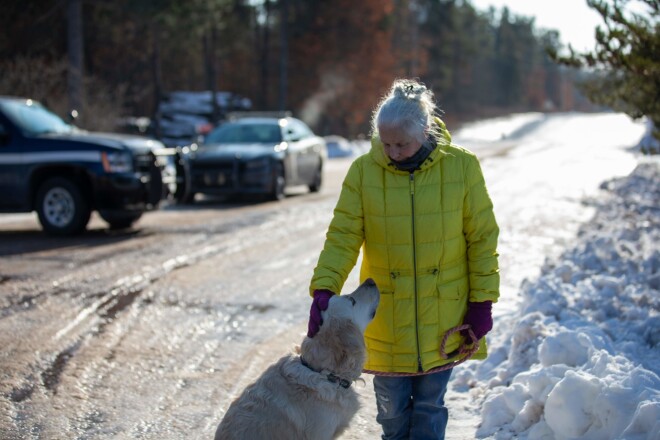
291 401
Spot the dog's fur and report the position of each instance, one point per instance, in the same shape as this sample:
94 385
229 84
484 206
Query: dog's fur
291 400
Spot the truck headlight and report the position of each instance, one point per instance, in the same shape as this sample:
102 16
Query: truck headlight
117 162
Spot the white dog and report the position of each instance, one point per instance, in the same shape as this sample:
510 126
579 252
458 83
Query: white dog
309 396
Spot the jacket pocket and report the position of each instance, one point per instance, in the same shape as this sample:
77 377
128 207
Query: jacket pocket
452 305
381 327
448 293
453 290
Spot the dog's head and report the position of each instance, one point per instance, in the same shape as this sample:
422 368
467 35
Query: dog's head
359 306
339 344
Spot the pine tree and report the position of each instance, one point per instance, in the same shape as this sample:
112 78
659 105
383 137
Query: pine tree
626 60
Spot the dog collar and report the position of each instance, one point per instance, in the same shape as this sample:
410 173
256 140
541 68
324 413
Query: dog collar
331 377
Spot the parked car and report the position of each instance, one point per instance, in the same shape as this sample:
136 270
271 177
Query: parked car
255 155
64 173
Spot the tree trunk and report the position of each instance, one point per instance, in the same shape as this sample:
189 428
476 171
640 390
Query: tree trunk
157 78
284 53
414 38
211 72
265 43
75 53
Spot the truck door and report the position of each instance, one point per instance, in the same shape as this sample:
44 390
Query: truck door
13 187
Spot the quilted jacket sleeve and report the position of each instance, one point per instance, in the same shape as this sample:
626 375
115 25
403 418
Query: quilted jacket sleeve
481 234
344 237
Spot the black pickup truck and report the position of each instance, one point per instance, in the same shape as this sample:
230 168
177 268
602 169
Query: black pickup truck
64 173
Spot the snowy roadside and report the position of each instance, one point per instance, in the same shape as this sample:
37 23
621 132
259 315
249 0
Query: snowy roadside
582 358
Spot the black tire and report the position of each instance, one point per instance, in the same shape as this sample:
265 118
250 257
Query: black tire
278 184
120 219
181 194
156 188
62 207
185 198
315 186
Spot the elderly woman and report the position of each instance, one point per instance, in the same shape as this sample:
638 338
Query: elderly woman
418 207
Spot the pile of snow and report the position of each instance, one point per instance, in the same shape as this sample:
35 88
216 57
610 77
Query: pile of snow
582 360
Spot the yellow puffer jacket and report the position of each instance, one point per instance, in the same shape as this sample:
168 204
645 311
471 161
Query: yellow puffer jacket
429 241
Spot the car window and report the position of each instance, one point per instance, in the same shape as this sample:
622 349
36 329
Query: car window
297 130
245 133
33 118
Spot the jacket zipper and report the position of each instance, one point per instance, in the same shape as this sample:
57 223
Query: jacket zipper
414 250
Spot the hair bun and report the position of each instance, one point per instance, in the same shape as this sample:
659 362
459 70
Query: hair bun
408 105
408 89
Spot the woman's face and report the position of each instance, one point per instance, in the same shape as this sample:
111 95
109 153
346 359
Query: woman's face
398 144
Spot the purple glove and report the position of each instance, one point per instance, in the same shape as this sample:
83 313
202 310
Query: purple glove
479 318
320 303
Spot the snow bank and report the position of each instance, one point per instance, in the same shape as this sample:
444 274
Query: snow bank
582 360
496 129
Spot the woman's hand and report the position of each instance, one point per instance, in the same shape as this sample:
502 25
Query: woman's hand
320 303
479 318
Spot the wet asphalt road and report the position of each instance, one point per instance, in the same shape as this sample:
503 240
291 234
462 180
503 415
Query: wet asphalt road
148 333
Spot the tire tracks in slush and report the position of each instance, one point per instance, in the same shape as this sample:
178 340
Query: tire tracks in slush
109 305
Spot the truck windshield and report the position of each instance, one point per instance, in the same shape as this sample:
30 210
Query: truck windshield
33 118
245 134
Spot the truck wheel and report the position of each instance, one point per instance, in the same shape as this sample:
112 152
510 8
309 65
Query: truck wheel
62 207
185 198
120 219
182 196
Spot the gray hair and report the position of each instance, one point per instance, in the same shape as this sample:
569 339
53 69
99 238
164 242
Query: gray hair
410 106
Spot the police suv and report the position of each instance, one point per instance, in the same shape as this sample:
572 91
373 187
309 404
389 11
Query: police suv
64 173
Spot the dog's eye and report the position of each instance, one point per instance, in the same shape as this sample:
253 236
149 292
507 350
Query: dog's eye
352 300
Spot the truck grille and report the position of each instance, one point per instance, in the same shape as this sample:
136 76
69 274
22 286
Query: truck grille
144 163
215 175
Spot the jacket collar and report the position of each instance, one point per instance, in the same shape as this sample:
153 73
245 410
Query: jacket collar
377 151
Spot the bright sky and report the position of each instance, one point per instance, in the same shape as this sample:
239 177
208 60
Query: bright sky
574 20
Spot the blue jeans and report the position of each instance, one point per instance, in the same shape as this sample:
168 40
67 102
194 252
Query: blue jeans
412 407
